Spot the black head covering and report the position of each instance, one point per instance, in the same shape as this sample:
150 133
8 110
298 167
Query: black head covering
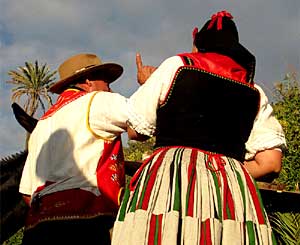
220 35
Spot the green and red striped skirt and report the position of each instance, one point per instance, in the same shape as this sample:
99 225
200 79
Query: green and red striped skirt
184 195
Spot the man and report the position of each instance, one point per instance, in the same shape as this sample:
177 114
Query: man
74 176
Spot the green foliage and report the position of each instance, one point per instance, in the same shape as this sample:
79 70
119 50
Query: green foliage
16 239
136 150
286 227
287 111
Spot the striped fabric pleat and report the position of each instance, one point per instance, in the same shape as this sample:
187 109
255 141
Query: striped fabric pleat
188 196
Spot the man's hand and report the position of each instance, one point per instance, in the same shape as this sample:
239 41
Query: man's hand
143 72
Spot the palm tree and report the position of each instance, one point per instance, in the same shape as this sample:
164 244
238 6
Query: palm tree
32 80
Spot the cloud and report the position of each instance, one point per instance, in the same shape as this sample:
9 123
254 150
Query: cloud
50 31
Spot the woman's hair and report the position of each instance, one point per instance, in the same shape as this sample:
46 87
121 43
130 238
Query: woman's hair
220 35
212 38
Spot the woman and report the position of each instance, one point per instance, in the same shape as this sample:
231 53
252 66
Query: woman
214 129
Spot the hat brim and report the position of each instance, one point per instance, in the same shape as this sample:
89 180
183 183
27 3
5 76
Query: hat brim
109 72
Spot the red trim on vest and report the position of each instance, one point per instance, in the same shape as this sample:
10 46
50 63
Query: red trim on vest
219 65
65 98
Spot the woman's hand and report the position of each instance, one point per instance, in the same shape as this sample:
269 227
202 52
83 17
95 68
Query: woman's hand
143 72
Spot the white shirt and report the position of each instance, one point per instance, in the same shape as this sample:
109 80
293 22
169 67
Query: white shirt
65 148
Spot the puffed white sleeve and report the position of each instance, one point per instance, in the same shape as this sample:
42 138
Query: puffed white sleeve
267 132
142 105
108 114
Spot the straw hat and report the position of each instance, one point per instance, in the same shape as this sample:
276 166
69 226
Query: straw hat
82 66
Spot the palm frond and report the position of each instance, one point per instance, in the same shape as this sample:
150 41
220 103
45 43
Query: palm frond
16 95
19 87
42 104
286 227
46 96
41 73
27 71
17 77
49 77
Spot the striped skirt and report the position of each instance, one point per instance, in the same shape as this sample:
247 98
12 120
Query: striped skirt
188 196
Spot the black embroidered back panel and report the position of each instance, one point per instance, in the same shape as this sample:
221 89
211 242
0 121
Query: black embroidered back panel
207 111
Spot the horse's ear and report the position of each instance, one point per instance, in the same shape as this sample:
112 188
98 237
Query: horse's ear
23 118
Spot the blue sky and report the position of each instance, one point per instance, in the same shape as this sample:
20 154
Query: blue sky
50 31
